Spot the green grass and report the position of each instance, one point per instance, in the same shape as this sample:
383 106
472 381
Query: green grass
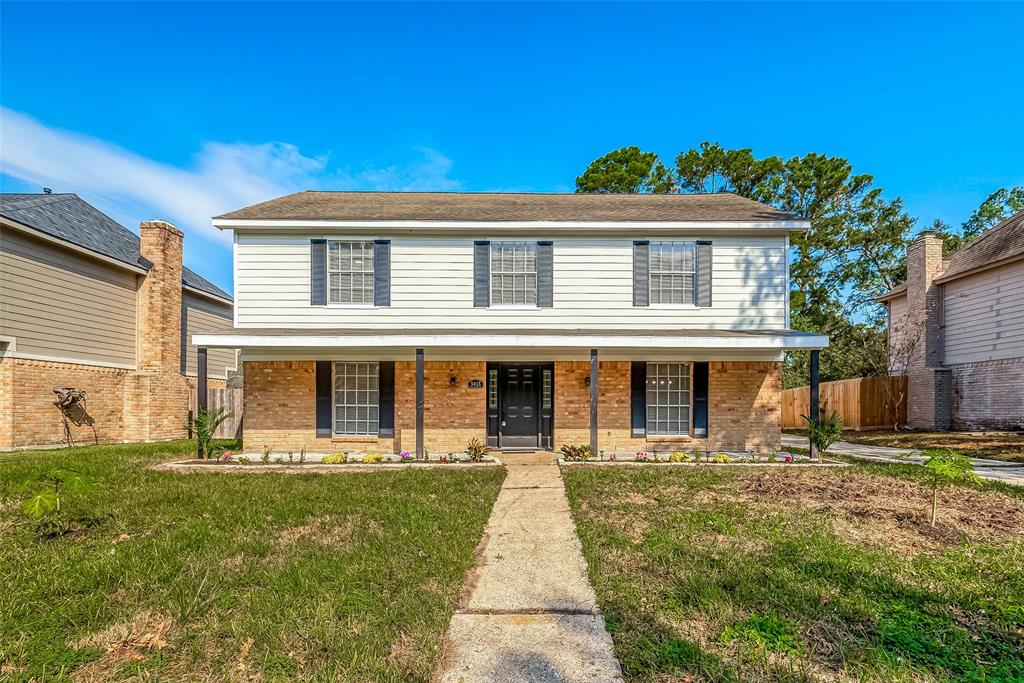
702 577
332 577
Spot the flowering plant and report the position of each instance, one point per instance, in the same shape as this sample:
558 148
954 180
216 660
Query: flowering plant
611 457
442 458
405 456
228 456
789 458
642 456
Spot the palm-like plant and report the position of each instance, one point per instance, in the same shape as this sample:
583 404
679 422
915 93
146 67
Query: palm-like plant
825 432
203 425
947 467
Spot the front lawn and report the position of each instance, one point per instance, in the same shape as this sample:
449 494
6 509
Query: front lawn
220 576
993 445
730 574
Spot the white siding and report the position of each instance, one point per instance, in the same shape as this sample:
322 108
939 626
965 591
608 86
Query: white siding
432 286
984 315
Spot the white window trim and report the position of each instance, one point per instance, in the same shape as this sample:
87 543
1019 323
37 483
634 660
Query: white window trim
689 428
327 272
650 276
491 273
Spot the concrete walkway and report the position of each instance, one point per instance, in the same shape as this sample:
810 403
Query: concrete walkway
529 612
996 470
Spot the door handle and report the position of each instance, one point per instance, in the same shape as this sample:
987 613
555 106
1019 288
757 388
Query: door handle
503 423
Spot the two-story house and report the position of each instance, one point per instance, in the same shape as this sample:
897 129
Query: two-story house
390 321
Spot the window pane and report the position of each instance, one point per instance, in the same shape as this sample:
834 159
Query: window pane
356 398
350 272
668 398
513 273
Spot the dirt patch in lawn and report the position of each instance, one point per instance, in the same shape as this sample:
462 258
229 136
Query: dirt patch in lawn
889 512
123 642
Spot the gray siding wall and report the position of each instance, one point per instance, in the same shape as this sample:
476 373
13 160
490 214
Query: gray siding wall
984 316
61 304
199 315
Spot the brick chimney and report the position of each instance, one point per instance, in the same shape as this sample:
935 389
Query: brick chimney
929 395
160 298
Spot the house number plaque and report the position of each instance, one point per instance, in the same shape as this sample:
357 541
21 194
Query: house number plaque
476 384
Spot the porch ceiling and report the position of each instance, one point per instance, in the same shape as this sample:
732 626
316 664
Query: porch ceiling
554 344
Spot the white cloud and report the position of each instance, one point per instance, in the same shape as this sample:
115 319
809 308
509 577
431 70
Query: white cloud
225 176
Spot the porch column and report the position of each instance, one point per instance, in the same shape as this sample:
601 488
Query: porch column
201 393
419 404
815 408
593 400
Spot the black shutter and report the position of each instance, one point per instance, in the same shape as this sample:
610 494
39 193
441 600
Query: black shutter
481 274
641 272
318 272
700 400
638 398
545 274
386 385
703 296
382 272
323 398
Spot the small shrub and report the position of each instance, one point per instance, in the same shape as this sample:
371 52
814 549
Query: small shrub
825 432
335 459
721 458
773 456
612 457
242 460
372 458
266 454
405 456
47 492
227 456
476 450
679 456
947 467
302 456
642 456
278 460
203 425
576 452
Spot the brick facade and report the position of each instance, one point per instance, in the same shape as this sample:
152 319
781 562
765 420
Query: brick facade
929 385
280 408
988 395
150 403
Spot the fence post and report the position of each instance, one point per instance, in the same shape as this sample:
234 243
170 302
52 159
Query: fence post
201 397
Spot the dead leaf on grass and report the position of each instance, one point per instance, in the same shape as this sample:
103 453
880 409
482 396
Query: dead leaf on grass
123 642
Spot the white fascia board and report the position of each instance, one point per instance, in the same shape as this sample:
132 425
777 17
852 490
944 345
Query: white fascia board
545 341
513 226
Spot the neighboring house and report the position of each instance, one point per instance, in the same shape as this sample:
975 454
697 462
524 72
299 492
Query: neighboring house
87 303
958 327
389 321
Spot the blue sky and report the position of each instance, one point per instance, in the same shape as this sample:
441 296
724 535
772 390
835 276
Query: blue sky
182 111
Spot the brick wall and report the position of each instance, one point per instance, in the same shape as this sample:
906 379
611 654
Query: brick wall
988 395
744 406
451 415
147 404
929 386
35 420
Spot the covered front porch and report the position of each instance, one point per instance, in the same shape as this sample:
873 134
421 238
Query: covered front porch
432 392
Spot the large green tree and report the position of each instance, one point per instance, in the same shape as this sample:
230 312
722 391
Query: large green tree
996 208
628 171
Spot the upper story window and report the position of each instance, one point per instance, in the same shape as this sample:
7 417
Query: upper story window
350 272
513 273
673 271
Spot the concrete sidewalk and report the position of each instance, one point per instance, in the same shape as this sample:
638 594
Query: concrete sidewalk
529 612
995 470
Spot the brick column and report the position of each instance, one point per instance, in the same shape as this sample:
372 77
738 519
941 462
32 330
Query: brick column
156 395
929 394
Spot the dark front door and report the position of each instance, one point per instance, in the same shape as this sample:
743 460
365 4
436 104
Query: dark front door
520 406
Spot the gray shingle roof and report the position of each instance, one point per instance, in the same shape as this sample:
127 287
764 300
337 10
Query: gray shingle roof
70 218
495 206
1002 242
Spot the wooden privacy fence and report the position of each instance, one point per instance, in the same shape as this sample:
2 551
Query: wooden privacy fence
863 403
228 399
